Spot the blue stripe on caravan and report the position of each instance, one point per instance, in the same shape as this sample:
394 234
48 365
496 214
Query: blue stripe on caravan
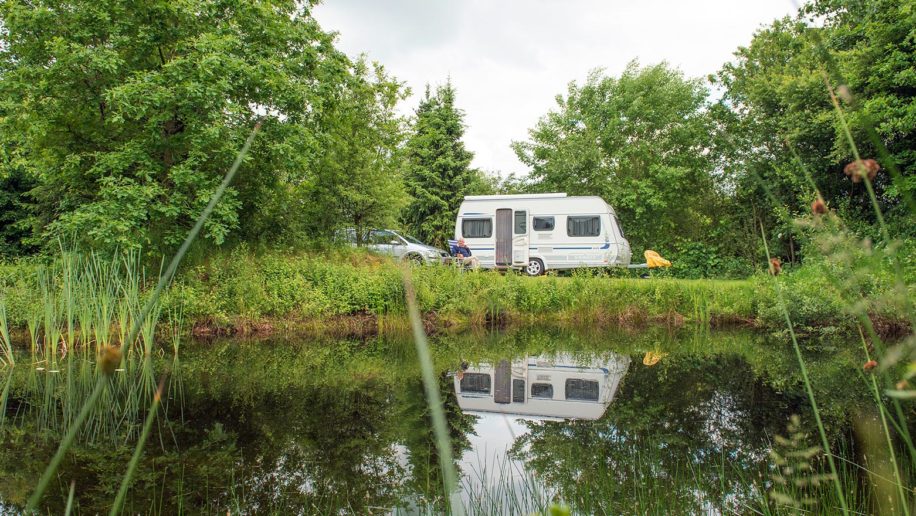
473 213
481 248
605 246
572 247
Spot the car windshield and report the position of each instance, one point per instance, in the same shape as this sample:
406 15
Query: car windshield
412 240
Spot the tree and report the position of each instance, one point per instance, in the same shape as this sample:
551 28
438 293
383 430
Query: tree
779 106
131 113
358 180
641 142
438 173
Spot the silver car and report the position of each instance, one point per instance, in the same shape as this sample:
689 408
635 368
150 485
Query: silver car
401 246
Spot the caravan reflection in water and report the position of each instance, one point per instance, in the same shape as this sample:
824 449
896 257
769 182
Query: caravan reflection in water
555 386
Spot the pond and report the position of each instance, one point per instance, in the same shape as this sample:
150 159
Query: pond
624 422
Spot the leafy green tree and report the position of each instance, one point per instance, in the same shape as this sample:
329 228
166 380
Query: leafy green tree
131 112
358 182
778 103
641 142
438 173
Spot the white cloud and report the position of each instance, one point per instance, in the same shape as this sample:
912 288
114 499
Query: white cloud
508 59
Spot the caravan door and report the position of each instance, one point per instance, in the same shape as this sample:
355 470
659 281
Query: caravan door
511 238
520 238
503 237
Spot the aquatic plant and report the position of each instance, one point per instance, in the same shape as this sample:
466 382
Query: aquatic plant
6 344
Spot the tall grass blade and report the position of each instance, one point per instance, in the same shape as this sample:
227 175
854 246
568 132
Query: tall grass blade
5 395
808 389
69 508
138 450
6 344
433 399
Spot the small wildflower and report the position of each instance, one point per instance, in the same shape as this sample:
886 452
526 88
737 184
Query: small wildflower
109 359
902 385
775 266
860 168
871 364
818 207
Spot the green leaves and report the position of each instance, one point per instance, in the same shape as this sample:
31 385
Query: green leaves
641 142
127 114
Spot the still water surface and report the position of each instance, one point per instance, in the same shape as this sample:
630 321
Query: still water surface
611 423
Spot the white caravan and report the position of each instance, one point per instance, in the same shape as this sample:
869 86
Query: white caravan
540 232
547 386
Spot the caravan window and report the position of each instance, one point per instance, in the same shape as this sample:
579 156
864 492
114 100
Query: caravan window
585 390
475 382
518 390
542 223
477 228
541 390
521 222
583 226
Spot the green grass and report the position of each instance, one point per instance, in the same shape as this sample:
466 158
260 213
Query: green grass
241 289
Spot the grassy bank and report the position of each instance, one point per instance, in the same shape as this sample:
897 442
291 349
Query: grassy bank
354 292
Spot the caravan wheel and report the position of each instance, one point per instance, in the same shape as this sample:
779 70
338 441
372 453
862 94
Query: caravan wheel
535 267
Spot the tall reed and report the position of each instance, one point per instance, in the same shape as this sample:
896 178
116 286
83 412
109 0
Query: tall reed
6 344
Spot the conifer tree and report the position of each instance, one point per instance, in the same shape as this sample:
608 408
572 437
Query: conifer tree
438 173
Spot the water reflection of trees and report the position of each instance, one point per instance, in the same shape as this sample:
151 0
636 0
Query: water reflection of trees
425 475
682 433
313 446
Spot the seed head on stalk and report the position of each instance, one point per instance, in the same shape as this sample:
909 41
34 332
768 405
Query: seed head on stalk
775 266
860 168
109 359
818 207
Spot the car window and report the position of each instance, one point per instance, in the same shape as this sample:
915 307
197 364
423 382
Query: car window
381 237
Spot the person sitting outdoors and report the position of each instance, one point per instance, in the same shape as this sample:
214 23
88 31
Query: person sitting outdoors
463 254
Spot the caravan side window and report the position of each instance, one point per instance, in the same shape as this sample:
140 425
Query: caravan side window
543 223
583 226
475 382
477 228
585 390
541 390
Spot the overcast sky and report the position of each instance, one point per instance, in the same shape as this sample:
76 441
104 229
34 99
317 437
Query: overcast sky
508 59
